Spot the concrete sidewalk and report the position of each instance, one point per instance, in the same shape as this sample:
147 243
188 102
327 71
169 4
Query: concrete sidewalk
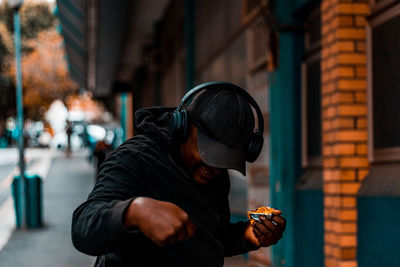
67 185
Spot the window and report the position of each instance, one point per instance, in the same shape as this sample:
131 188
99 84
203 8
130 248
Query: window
250 9
311 100
384 84
257 45
378 5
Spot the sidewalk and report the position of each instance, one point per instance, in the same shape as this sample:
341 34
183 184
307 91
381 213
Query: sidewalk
67 185
236 261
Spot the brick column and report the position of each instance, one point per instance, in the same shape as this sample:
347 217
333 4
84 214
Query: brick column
344 116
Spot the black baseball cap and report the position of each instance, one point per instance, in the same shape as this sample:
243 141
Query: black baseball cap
225 123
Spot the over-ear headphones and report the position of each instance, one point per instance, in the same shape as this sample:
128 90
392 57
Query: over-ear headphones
180 121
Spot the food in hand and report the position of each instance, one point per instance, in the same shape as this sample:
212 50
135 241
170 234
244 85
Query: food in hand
255 215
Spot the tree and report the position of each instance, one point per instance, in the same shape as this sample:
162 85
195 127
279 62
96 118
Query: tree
35 18
6 16
7 93
45 74
6 43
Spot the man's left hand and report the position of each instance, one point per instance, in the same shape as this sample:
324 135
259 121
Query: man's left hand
265 233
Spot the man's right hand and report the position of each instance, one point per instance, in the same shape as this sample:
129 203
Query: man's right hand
163 222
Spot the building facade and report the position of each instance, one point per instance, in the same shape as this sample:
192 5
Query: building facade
326 75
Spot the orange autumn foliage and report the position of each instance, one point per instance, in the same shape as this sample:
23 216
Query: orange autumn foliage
44 74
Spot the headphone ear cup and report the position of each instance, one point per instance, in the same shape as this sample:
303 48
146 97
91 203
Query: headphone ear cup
174 124
185 125
255 147
179 125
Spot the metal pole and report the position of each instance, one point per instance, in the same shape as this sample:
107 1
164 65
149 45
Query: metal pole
123 115
20 116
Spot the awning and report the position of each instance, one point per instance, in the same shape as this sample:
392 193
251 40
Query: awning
104 39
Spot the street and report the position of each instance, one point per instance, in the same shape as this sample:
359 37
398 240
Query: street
66 183
36 160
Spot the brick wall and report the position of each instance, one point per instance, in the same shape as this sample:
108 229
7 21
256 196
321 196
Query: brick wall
344 115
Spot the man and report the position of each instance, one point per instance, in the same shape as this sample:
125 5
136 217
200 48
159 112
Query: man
161 198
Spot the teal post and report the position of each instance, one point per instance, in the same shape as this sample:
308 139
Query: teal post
123 115
285 132
190 40
20 116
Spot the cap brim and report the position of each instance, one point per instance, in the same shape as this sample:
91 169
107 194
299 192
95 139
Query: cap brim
219 155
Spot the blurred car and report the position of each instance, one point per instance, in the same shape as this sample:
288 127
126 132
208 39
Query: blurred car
96 132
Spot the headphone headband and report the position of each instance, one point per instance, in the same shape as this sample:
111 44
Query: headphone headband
228 86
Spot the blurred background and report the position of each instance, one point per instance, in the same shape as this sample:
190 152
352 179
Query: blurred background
326 75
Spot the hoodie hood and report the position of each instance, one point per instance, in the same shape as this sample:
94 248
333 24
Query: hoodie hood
154 122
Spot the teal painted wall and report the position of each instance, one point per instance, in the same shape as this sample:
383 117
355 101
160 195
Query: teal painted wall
285 139
309 228
283 146
285 127
378 231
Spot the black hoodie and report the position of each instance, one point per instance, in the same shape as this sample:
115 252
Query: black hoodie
149 165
